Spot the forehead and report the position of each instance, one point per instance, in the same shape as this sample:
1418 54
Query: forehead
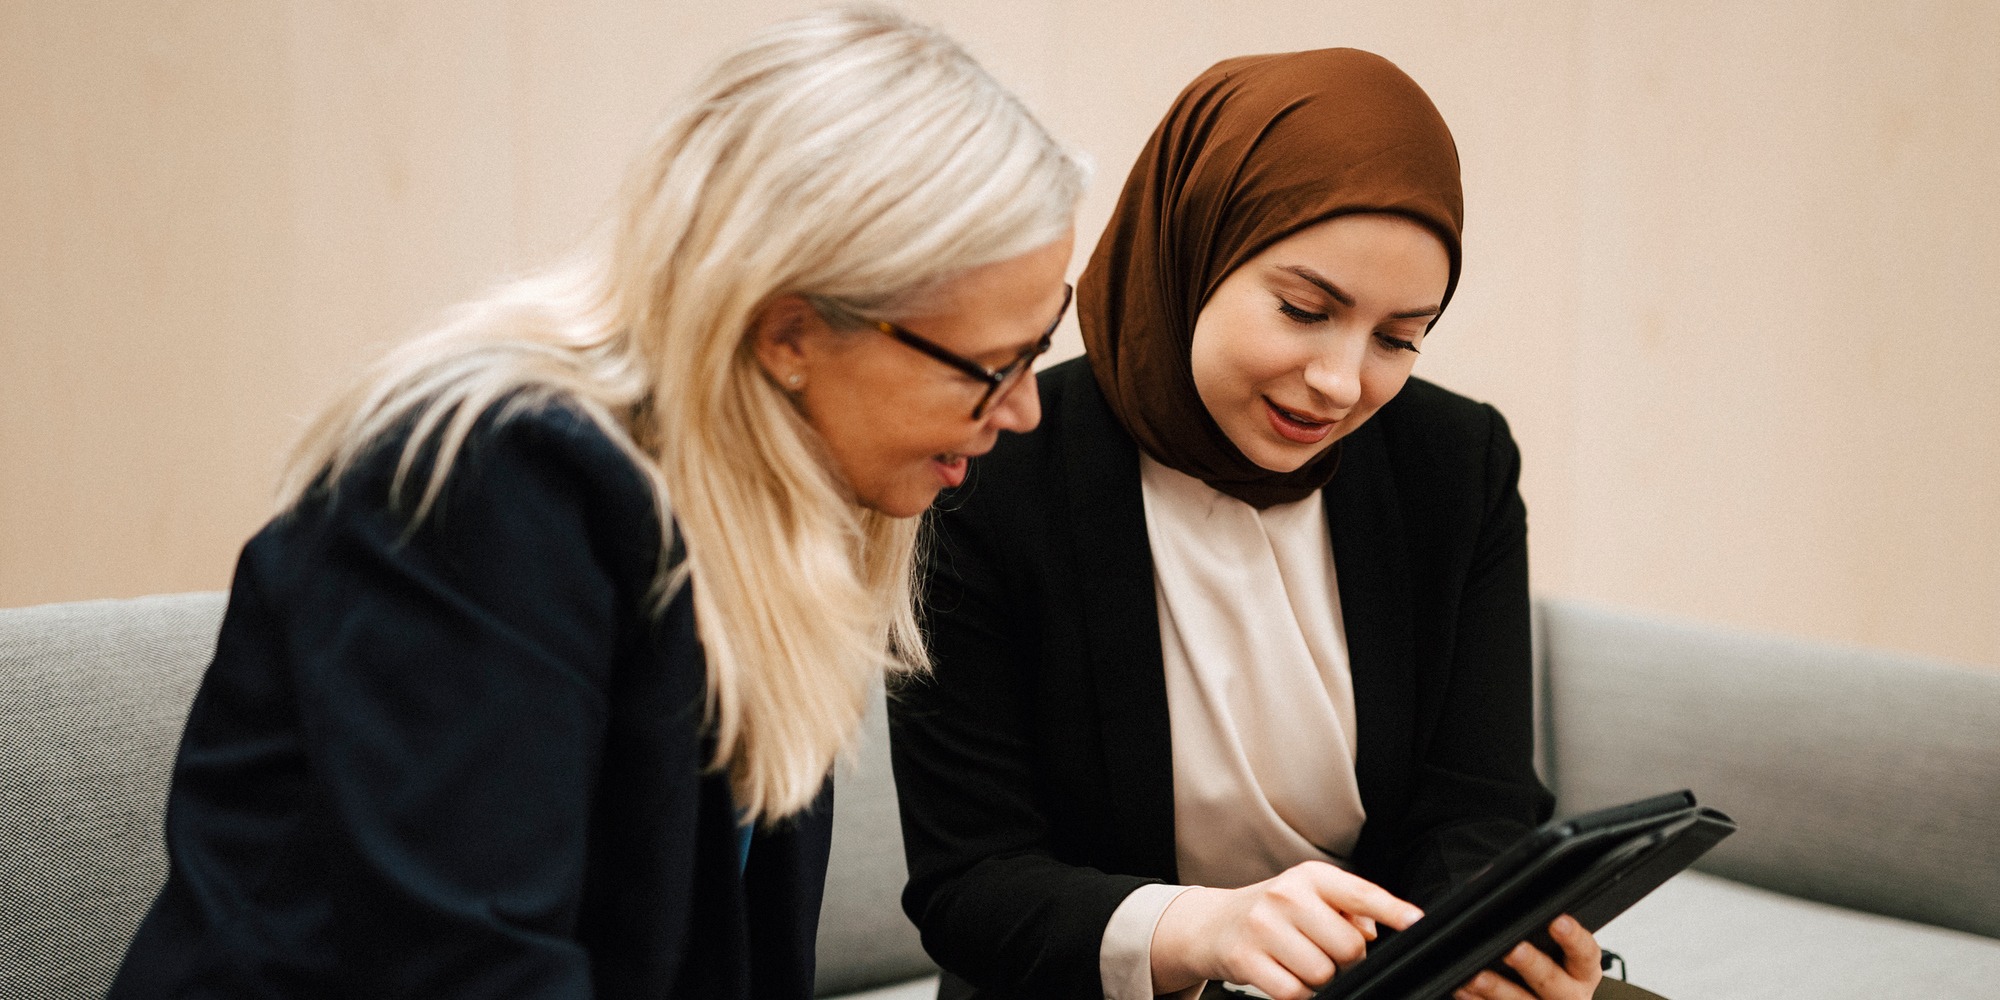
995 310
1358 235
1370 256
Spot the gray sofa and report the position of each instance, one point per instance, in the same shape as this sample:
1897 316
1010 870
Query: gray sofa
1867 785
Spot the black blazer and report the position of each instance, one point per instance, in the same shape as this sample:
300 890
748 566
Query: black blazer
469 763
1035 765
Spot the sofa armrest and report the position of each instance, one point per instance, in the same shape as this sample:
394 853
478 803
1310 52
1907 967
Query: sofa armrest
92 699
1860 778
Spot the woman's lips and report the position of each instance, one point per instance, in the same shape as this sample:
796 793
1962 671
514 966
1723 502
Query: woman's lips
950 469
1294 427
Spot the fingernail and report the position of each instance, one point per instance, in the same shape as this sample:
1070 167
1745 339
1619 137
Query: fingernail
1567 924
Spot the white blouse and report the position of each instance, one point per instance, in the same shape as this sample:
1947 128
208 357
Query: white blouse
1259 697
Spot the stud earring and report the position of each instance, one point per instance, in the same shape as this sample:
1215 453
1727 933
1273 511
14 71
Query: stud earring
794 380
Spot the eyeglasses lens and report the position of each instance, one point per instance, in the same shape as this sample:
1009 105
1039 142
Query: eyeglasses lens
1010 378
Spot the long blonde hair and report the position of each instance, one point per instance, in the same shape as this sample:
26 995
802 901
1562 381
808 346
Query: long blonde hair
849 156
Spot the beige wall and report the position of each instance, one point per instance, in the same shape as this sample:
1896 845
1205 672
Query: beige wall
1731 270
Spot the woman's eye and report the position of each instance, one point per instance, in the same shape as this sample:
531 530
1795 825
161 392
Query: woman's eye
1397 343
1298 315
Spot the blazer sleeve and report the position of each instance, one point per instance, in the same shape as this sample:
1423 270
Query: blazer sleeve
451 695
995 903
1476 790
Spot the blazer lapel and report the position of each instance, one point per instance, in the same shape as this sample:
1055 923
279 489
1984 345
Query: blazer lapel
1365 522
1121 624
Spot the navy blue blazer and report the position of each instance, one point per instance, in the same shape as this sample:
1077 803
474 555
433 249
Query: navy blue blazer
468 761
1035 766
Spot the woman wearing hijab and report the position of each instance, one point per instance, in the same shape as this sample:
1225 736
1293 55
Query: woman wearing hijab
533 689
1231 656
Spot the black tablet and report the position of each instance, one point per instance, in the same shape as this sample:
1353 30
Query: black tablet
1591 867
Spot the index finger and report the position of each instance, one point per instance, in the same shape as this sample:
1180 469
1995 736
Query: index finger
1357 897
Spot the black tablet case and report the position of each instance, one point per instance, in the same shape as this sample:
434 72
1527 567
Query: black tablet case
1592 867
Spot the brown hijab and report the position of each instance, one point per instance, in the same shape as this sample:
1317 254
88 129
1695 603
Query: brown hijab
1255 149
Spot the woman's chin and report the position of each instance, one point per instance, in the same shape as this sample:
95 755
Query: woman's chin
1286 458
902 507
904 500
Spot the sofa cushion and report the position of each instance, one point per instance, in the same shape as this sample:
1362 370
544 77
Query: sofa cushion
1860 778
864 940
1686 941
925 988
92 698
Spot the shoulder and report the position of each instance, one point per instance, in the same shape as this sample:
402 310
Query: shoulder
535 482
1076 427
1449 461
1032 454
1426 411
1077 447
1430 429
535 443
1039 499
551 444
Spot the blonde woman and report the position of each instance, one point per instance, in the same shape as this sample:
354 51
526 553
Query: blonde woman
534 687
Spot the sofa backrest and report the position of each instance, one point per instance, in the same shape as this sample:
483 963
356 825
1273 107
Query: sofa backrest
1860 778
92 700
1865 779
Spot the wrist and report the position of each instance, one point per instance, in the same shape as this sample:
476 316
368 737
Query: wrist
1177 939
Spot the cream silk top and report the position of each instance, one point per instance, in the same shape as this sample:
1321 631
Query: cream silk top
1259 697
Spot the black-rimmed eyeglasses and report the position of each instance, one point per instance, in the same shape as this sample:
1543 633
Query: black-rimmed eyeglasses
999 381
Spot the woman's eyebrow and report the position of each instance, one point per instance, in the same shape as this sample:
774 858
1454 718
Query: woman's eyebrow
1001 354
1320 281
999 357
1018 349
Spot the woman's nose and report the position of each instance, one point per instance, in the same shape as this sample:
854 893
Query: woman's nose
1336 374
1021 410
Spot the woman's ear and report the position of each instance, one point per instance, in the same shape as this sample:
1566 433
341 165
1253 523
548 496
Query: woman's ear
780 333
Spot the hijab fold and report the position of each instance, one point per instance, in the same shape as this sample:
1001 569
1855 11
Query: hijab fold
1255 149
